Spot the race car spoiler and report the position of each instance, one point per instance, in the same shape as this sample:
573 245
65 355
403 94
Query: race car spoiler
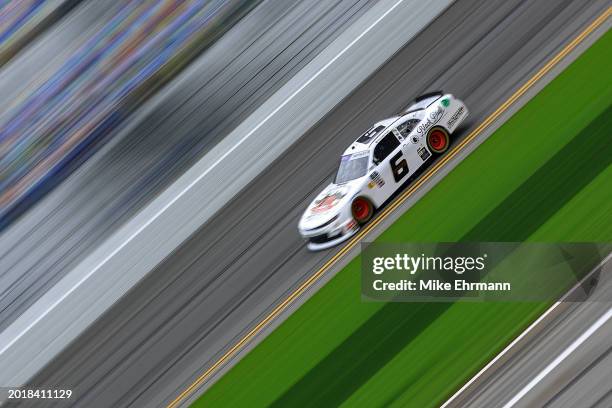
424 101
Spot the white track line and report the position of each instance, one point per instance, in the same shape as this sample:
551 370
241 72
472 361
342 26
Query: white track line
572 347
200 177
523 334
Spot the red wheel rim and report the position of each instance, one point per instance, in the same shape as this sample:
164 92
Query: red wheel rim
361 209
437 140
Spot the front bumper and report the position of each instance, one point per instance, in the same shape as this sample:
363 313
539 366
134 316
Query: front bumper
316 245
329 235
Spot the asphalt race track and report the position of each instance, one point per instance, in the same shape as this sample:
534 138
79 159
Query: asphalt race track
153 343
234 76
577 370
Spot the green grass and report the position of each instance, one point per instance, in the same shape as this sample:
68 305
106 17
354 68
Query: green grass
545 175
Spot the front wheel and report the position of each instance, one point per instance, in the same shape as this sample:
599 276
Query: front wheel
362 210
438 140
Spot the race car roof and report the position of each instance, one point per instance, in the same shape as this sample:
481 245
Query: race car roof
364 141
370 134
387 122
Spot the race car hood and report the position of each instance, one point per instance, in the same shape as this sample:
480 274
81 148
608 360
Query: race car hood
328 204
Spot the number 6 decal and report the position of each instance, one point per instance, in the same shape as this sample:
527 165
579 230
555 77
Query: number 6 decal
398 168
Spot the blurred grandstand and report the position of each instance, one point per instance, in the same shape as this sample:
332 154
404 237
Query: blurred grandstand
22 21
66 113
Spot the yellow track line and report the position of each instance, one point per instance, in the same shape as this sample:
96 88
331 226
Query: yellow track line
391 207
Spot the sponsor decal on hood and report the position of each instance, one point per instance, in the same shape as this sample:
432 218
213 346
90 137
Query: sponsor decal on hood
327 201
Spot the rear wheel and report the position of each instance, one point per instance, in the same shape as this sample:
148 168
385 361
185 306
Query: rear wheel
362 210
438 140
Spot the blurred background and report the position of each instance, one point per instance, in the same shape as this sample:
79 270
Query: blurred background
105 103
80 94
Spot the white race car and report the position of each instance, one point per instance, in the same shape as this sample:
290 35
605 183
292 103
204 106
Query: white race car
379 163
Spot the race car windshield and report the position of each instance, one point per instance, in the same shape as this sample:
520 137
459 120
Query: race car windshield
351 168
